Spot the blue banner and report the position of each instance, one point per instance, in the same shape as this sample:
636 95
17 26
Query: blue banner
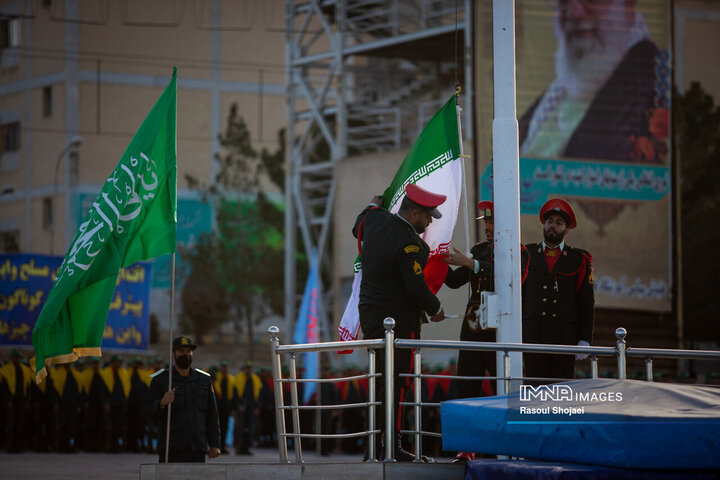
306 328
26 279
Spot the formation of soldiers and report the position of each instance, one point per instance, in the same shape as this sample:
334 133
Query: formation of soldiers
86 406
96 406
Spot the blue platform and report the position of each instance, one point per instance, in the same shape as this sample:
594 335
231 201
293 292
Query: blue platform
535 470
617 423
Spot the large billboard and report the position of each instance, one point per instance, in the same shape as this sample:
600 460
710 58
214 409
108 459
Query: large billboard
593 99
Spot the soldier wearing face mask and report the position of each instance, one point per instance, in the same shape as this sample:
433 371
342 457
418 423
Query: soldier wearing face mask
194 422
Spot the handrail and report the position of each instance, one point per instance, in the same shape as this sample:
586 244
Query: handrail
338 406
329 346
330 380
670 353
620 350
505 347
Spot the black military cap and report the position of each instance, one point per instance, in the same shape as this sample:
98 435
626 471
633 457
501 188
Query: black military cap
183 342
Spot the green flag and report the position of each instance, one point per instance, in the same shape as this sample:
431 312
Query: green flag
134 218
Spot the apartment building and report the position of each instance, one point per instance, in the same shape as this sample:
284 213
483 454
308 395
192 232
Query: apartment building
77 77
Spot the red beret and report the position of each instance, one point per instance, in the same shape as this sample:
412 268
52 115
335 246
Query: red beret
486 209
558 205
425 198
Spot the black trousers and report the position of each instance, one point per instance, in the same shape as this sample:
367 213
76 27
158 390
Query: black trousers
224 416
548 366
15 426
182 456
475 364
407 325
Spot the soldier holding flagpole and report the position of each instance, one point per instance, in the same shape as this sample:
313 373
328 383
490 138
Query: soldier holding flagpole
195 424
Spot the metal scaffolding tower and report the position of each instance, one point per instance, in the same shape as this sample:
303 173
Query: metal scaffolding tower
362 76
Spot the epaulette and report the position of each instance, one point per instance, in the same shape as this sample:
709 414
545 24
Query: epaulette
157 373
533 246
200 371
585 253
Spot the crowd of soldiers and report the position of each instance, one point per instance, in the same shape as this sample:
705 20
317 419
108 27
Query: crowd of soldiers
95 406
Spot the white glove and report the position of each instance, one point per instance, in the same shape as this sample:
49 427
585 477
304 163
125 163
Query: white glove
582 356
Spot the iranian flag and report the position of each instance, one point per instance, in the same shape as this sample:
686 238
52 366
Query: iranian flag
432 163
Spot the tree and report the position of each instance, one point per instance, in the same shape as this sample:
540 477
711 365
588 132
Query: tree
236 270
697 133
205 306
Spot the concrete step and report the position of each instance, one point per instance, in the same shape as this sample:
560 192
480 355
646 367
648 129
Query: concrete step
307 471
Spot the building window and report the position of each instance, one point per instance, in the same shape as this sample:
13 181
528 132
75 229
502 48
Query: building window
47 101
47 3
47 212
10 33
10 241
10 137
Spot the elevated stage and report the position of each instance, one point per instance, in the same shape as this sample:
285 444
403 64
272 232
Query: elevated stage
616 423
536 470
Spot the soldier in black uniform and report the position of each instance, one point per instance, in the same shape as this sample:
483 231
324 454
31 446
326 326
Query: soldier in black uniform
117 405
95 413
135 431
70 405
393 285
478 270
224 393
17 383
557 295
194 422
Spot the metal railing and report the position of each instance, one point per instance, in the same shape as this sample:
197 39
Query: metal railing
620 350
292 350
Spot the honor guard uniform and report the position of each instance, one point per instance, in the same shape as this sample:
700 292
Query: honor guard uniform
476 363
558 299
393 284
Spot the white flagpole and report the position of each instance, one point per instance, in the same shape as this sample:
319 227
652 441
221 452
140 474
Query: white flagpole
170 361
506 188
458 108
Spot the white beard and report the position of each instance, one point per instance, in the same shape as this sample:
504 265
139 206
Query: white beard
583 65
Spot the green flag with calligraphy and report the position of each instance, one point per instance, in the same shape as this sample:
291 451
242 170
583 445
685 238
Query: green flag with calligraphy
134 218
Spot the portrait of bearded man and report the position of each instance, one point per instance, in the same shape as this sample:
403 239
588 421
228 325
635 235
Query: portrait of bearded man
593 92
604 102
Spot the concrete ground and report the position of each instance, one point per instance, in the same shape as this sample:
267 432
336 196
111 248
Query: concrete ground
123 466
